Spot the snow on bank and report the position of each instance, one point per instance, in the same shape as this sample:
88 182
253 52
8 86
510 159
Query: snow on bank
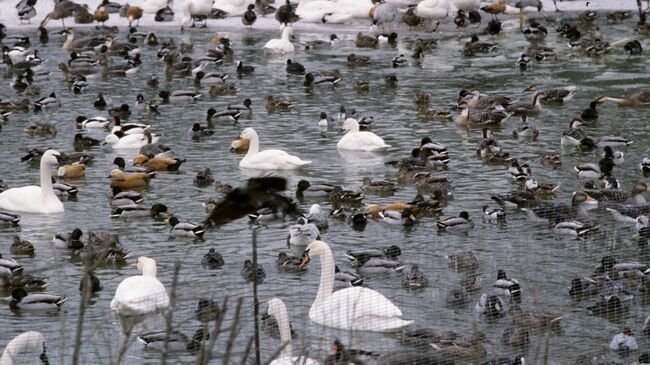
9 18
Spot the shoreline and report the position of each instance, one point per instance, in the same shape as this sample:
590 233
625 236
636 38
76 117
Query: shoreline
9 19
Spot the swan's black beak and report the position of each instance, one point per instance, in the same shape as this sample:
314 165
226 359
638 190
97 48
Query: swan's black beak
341 131
43 358
59 159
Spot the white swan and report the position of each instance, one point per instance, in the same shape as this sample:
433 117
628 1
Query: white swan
354 140
152 6
31 341
432 9
283 44
313 11
356 8
140 294
278 310
193 8
232 7
354 308
267 159
35 199
129 141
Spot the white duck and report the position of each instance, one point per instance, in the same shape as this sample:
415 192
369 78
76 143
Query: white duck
354 308
192 8
31 341
232 7
432 9
278 310
267 159
140 294
33 198
282 45
355 140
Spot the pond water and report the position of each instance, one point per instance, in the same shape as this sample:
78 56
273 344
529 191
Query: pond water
542 262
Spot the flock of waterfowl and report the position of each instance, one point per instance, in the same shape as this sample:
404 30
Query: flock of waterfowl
342 301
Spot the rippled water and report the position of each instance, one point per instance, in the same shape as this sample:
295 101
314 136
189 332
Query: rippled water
543 262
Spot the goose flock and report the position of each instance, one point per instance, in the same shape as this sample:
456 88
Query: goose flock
417 150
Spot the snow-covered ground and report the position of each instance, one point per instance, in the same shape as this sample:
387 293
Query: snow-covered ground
9 18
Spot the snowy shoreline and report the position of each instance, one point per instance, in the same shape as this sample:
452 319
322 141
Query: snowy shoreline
9 18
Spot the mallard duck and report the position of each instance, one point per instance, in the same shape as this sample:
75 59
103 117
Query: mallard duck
506 287
360 257
471 117
203 178
270 325
639 98
212 260
613 141
251 274
594 171
437 185
314 80
580 203
551 159
69 240
21 246
136 211
9 219
518 172
574 228
184 229
377 186
346 279
356 61
430 205
462 261
493 214
583 288
608 306
277 105
21 300
103 239
460 223
288 263
127 197
173 340
474 46
222 188
414 279
559 95
10 266
207 310
307 190
365 41
458 350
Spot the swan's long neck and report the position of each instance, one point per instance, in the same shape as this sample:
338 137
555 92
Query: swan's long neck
46 180
254 146
68 41
285 34
16 346
285 332
326 276
149 268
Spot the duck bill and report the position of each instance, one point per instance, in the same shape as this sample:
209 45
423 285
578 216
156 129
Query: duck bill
44 359
305 261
